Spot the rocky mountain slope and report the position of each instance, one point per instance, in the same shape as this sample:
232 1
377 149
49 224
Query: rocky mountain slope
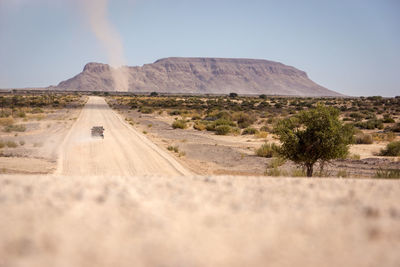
199 76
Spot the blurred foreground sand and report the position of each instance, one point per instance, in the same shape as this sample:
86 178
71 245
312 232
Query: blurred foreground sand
198 221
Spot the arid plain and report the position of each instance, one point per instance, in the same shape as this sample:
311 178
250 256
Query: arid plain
125 200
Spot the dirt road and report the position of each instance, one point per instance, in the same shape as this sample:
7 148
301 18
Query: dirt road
122 152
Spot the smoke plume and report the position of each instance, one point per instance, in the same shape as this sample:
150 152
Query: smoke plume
97 13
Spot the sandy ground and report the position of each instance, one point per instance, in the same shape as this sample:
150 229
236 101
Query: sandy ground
122 152
198 221
41 142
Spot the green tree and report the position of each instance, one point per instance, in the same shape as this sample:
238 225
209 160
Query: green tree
233 95
315 135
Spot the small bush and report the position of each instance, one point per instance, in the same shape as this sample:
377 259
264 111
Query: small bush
223 129
20 114
173 148
146 110
15 128
267 150
265 128
392 149
342 174
388 120
298 173
275 172
213 125
364 139
388 173
250 131
22 142
199 126
2 144
175 112
396 128
244 120
11 144
262 134
36 110
179 124
353 156
370 124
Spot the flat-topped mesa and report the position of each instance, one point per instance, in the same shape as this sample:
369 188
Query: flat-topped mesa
96 67
256 65
202 76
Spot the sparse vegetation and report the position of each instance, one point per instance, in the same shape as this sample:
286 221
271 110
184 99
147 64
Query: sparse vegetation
388 173
364 139
15 128
392 149
179 124
267 150
376 119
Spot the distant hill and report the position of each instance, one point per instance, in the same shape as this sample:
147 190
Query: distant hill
201 76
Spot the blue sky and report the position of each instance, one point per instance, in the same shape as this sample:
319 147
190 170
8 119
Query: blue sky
349 46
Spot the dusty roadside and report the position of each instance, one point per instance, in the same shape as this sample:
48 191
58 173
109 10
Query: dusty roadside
205 153
33 148
198 221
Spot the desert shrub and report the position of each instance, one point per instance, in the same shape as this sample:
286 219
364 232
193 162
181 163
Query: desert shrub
357 116
216 115
146 110
244 120
388 173
235 130
275 172
392 149
196 117
223 129
15 128
370 124
267 150
298 173
250 130
389 136
153 94
36 110
353 156
20 114
342 174
396 128
11 144
181 124
364 139
262 134
2 144
175 112
213 125
22 142
273 167
173 148
387 119
199 126
265 128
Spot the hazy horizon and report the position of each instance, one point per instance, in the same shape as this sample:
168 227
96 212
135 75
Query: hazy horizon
347 46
